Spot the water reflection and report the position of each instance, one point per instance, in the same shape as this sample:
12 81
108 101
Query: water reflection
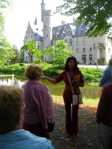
56 89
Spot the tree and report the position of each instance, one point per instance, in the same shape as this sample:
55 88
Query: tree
3 4
58 53
15 59
97 12
21 56
6 55
33 50
6 51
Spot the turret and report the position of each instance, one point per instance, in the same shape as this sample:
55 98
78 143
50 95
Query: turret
42 9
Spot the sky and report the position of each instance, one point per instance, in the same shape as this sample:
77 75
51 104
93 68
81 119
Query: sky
22 11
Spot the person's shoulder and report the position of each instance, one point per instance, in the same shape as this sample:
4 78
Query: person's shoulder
24 84
79 71
64 72
41 86
45 143
107 68
38 142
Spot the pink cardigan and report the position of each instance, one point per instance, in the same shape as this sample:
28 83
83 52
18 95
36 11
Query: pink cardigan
38 103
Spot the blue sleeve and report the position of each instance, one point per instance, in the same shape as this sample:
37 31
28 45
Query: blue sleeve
47 144
105 76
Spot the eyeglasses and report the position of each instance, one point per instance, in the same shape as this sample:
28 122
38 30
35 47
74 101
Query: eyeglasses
24 105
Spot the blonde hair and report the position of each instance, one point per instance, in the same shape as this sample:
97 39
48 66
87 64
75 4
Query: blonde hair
11 107
32 71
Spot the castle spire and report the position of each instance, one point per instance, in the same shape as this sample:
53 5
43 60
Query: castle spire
42 9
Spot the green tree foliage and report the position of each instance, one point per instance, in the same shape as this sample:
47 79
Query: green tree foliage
6 52
3 4
33 50
58 53
98 12
21 56
6 55
15 59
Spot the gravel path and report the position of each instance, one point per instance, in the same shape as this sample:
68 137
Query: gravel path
87 138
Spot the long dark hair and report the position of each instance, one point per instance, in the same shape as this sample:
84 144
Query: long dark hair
66 68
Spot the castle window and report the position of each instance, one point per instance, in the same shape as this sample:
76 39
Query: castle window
57 34
94 46
65 40
84 58
90 57
90 50
70 33
70 42
38 46
84 50
80 30
63 34
83 41
76 41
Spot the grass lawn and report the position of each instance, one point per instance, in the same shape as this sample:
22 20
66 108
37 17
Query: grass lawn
86 102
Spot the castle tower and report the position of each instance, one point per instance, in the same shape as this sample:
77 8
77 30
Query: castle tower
42 9
47 30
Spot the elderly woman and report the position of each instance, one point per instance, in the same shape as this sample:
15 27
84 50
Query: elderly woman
12 136
38 109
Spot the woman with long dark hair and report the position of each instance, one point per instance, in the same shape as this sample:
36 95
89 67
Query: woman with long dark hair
77 81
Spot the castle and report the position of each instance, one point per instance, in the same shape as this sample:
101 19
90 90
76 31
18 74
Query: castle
87 50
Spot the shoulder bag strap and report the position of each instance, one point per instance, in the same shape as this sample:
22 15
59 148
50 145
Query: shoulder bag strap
70 83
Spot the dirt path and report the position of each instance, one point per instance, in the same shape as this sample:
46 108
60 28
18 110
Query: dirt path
87 138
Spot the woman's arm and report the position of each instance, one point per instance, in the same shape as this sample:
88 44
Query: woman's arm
49 79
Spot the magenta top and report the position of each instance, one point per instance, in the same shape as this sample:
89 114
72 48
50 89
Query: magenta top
38 103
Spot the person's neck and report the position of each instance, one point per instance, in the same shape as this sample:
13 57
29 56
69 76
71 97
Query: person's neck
18 127
71 70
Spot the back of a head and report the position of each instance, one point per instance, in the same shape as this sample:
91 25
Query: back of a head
32 71
110 62
11 104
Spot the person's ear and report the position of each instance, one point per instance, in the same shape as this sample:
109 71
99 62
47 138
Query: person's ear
21 119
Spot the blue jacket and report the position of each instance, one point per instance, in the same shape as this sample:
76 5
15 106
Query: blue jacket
22 139
106 77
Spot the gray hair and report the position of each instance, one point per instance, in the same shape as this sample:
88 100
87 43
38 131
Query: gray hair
110 61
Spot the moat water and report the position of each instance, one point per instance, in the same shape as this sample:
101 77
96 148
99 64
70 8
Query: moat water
56 89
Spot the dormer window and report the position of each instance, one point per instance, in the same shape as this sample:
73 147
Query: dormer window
57 34
63 34
80 30
70 42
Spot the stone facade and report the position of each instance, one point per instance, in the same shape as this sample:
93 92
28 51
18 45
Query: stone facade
87 50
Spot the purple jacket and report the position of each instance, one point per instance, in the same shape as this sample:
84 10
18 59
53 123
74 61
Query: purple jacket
38 103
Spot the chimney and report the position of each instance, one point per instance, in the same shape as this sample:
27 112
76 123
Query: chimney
63 22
